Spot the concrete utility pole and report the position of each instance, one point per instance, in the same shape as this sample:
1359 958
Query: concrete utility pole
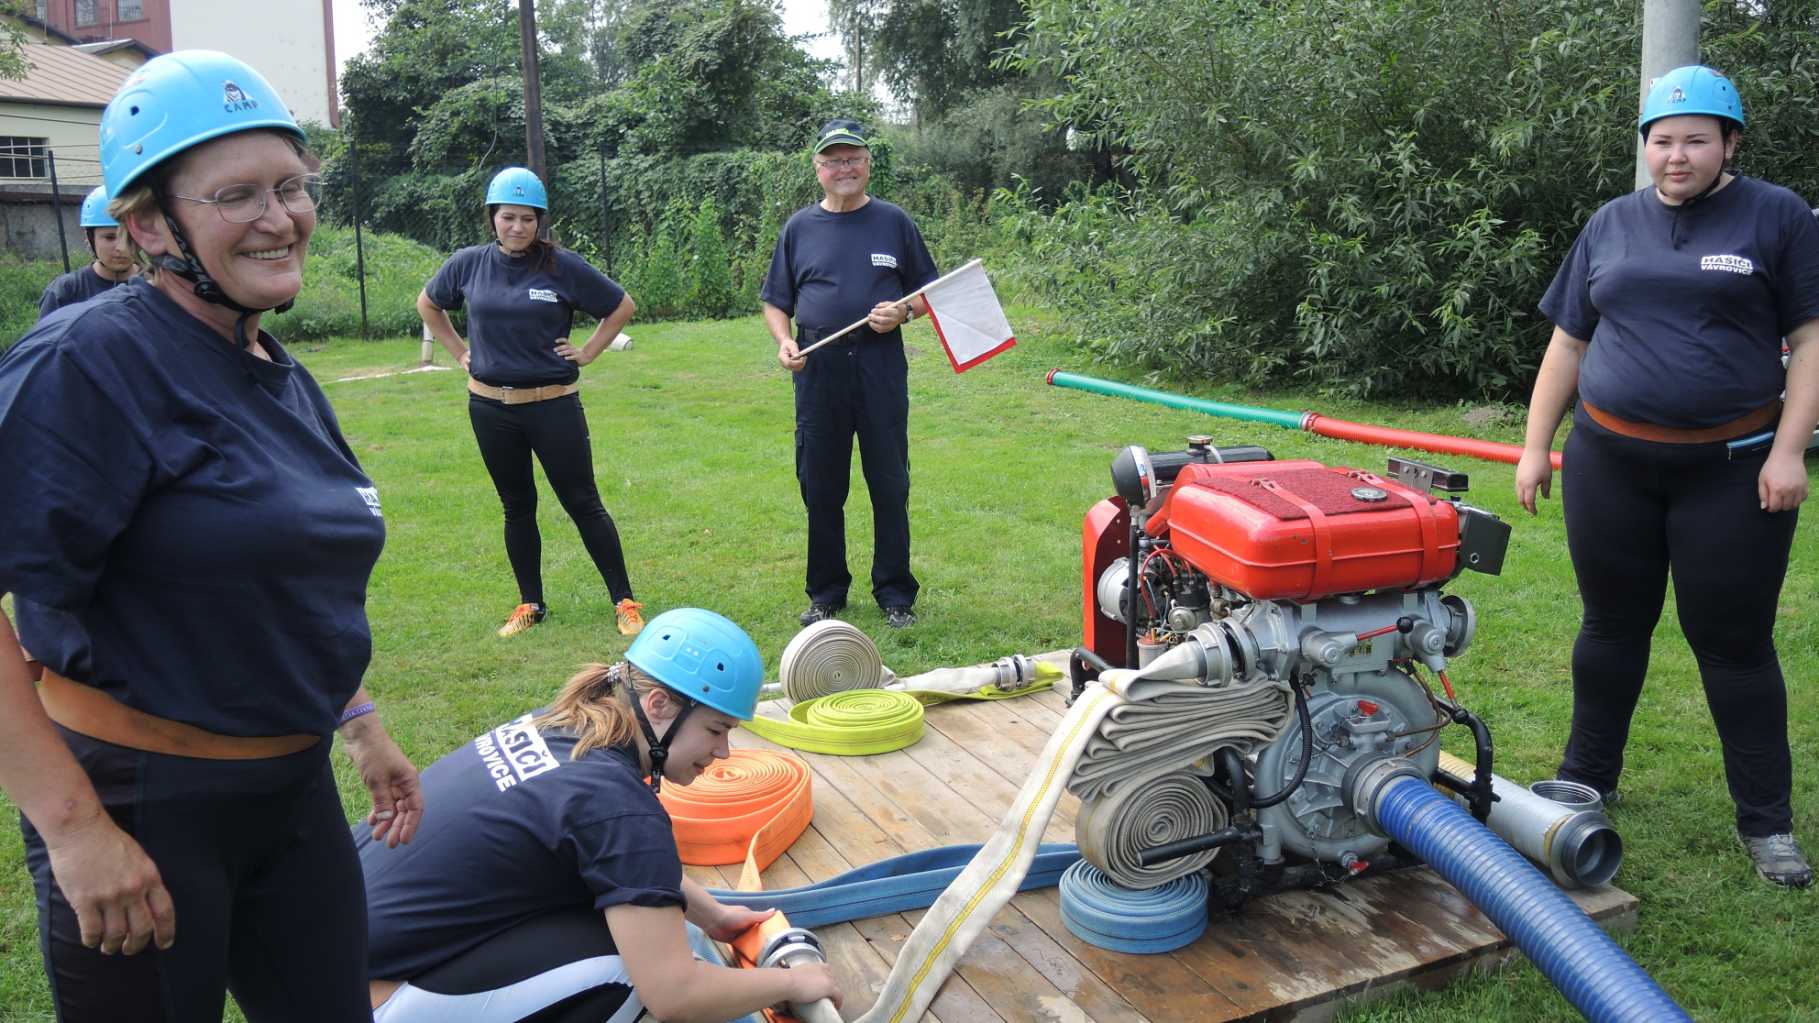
533 90
1670 39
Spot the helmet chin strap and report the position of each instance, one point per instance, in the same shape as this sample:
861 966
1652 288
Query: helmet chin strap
207 288
659 747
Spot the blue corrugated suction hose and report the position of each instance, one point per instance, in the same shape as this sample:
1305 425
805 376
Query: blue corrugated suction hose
1591 971
1104 913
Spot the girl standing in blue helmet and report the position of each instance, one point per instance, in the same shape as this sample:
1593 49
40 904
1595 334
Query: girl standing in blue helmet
113 263
1668 318
188 541
548 884
521 293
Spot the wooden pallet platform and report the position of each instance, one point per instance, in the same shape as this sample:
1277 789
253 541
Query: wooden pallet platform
1293 956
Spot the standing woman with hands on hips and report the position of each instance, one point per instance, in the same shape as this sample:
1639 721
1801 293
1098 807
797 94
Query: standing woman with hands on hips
1668 318
521 293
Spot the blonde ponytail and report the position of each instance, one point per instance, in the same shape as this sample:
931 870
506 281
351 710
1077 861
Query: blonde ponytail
593 707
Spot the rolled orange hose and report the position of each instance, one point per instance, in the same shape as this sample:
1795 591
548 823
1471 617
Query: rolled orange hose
747 808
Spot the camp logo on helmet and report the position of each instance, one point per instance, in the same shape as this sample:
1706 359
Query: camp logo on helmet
235 100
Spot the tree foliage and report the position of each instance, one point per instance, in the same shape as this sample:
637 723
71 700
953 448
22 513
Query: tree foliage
12 42
1363 193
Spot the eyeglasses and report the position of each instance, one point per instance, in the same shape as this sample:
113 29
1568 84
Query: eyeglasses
243 204
846 164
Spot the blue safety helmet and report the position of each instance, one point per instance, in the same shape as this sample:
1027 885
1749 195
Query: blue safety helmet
1693 89
519 186
177 101
94 210
704 657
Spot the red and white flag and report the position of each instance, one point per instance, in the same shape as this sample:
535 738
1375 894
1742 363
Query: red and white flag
967 317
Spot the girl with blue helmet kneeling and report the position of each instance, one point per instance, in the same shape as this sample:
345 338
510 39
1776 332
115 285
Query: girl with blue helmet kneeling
548 883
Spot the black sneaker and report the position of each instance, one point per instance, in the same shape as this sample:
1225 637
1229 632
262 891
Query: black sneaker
1778 860
818 612
899 617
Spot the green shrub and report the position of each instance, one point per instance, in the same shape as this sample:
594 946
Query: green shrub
21 284
396 270
707 271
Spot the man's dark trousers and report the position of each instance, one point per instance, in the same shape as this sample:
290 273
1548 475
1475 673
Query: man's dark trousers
858 384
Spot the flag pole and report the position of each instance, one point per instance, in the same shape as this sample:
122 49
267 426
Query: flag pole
849 328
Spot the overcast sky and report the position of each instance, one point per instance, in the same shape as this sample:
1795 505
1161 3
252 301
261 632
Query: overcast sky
353 33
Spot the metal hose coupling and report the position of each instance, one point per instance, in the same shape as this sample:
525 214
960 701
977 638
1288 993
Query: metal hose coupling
792 947
1368 778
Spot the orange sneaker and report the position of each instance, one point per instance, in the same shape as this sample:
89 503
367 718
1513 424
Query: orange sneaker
523 617
631 617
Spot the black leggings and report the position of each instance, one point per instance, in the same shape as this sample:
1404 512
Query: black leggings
262 873
1635 512
556 432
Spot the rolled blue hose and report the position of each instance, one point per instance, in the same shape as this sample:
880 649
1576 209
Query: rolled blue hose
1589 969
1106 914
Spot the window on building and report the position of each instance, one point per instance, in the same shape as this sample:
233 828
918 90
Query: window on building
22 157
130 10
85 12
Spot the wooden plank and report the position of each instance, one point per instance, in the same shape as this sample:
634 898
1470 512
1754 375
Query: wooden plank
1295 955
1158 986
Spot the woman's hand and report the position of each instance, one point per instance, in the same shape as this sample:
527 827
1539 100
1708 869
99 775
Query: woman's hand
811 982
731 921
1781 485
389 776
578 356
118 895
465 356
1535 472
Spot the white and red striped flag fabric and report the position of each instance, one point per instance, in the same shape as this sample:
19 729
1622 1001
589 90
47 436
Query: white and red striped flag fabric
967 317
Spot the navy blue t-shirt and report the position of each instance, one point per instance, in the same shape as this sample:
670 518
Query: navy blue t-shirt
1684 307
516 312
184 525
70 288
830 269
516 829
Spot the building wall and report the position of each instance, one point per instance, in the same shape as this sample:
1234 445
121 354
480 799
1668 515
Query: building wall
74 138
290 42
153 27
28 226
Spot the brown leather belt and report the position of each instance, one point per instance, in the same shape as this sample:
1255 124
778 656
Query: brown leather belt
1749 422
93 713
521 395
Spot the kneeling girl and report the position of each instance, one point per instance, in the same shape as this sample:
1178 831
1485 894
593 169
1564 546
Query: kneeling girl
548 886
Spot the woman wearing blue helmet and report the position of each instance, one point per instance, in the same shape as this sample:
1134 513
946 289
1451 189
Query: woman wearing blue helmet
113 263
188 545
521 294
547 885
1668 318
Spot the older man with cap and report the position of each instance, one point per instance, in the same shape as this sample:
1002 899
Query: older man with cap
847 257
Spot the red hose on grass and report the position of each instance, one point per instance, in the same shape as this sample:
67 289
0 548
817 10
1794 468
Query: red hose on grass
1364 433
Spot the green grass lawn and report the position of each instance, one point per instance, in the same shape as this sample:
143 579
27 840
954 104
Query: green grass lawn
692 436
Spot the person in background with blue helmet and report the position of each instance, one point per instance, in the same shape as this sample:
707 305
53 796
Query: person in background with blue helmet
113 263
522 292
188 539
1668 317
548 884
